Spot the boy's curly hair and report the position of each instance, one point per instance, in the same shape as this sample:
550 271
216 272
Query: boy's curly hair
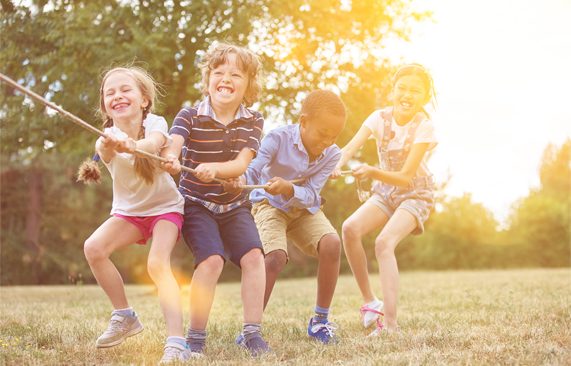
248 62
319 101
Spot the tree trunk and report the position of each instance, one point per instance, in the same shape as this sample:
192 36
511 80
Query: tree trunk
33 223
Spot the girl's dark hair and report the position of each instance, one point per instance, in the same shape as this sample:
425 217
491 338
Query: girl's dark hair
420 71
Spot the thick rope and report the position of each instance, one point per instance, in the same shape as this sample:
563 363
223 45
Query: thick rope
87 126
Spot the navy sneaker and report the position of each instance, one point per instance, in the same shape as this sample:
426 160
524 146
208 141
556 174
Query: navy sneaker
195 347
323 332
255 344
240 340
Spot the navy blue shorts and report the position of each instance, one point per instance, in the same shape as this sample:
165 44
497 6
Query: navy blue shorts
230 234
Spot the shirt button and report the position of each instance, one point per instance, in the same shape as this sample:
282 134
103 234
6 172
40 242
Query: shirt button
226 131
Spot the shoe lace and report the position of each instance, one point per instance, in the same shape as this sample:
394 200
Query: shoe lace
329 328
171 353
365 309
116 325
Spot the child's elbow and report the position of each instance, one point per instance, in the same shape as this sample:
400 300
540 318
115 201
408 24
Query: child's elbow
406 179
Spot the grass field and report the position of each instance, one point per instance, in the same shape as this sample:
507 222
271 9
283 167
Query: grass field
476 317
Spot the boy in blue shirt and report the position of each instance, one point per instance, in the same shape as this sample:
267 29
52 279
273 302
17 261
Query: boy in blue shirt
285 211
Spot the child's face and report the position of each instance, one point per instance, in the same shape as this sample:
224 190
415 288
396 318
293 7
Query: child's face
320 131
227 84
409 95
122 97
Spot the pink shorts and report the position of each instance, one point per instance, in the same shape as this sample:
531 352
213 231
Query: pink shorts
146 224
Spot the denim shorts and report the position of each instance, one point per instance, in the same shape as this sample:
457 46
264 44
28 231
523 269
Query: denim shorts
230 234
418 200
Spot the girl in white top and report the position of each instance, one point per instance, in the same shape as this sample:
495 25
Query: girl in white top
403 192
146 203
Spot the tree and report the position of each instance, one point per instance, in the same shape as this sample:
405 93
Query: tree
541 222
59 49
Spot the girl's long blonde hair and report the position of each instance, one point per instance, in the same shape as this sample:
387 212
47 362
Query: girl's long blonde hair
145 168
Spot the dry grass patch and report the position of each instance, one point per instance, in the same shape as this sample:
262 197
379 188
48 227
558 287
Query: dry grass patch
455 317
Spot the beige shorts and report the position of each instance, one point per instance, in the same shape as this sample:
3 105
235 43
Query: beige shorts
302 228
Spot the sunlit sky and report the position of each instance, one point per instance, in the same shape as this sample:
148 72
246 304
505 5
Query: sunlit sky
502 71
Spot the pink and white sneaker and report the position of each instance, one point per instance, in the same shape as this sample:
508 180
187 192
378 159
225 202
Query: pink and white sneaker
372 312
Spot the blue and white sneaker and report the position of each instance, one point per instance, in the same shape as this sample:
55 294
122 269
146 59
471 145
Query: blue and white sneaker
174 353
323 332
120 327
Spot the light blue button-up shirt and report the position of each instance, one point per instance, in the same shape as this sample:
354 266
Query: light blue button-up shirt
282 154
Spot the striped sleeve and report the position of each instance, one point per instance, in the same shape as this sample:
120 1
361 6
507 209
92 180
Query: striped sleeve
255 138
182 124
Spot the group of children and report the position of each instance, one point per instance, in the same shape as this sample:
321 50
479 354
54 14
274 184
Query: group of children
220 140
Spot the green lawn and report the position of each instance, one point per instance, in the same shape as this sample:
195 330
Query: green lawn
455 317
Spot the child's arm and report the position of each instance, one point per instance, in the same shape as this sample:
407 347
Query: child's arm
351 148
179 132
206 172
151 144
172 152
236 167
268 149
106 147
402 177
307 194
266 153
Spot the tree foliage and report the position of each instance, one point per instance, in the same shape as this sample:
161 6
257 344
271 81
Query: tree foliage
541 222
60 48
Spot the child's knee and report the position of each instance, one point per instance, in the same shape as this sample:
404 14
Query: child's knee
384 246
93 250
212 265
330 247
275 261
252 259
350 230
157 267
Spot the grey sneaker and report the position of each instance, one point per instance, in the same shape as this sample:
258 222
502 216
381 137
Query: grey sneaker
120 327
175 353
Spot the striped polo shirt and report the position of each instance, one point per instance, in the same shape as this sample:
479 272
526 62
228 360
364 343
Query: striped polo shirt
206 140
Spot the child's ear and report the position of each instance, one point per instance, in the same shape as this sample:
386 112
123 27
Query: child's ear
145 103
303 119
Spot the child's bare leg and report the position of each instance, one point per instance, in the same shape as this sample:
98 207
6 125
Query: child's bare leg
274 262
329 255
367 218
202 290
113 234
165 234
397 228
253 284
